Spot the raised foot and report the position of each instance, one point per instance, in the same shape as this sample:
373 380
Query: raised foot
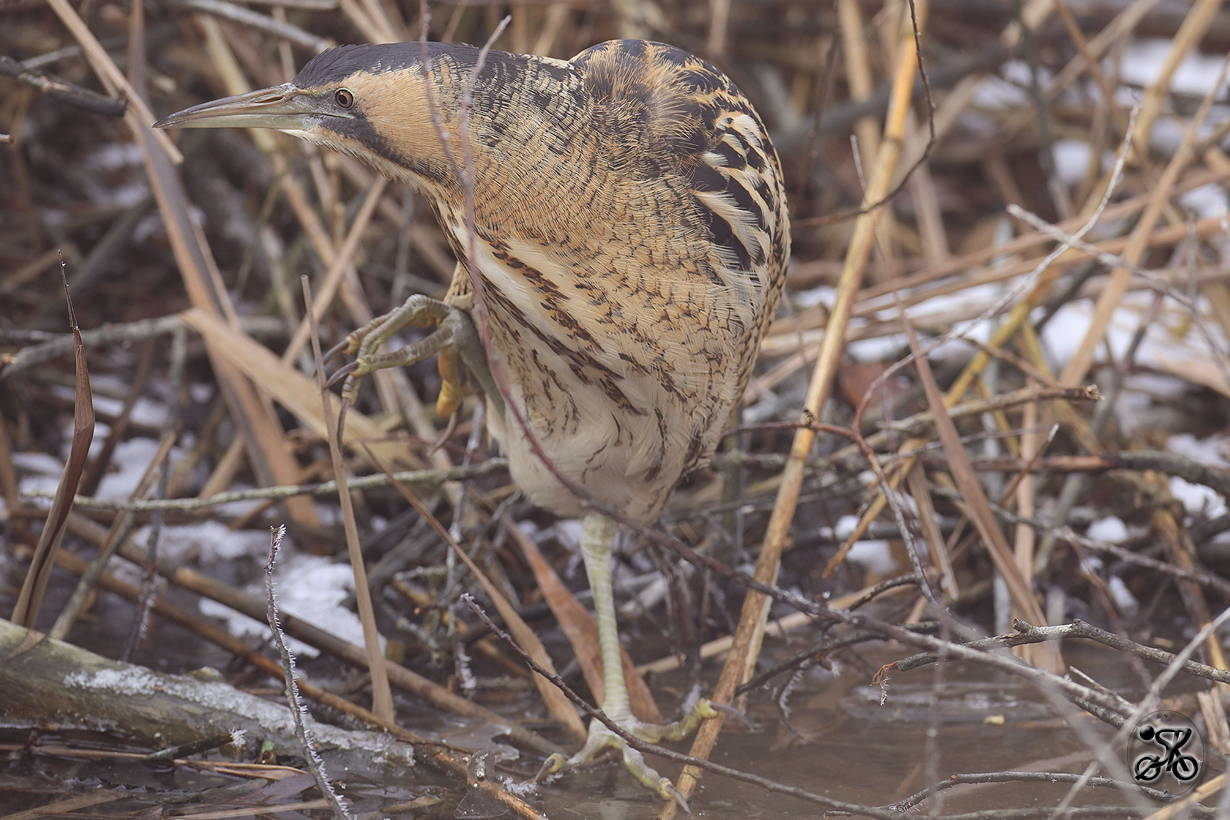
454 335
602 738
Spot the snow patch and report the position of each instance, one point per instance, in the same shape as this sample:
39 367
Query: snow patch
1124 599
208 542
1207 201
1110 529
129 463
873 555
310 587
1197 499
1144 58
1214 450
1072 158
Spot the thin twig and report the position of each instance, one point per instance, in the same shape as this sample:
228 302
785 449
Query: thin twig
429 478
297 710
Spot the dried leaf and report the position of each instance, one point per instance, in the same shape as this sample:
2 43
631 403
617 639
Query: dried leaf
25 613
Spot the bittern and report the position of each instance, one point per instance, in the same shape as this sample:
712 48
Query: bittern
630 246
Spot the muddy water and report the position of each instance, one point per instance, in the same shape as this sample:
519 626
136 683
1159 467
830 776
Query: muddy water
836 736
841 743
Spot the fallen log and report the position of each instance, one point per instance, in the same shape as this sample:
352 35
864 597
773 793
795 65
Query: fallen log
55 686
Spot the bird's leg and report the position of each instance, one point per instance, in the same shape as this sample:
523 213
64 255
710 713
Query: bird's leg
455 336
597 545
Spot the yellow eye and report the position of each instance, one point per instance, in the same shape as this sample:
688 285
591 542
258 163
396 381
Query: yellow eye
344 97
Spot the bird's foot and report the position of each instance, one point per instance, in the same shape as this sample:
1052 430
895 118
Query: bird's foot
454 329
601 738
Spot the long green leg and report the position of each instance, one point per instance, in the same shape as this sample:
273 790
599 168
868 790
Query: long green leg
597 545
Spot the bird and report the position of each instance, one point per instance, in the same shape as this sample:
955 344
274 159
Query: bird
623 254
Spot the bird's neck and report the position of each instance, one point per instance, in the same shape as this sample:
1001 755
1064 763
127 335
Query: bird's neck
535 156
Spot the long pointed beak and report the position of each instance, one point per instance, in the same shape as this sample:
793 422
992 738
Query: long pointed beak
283 107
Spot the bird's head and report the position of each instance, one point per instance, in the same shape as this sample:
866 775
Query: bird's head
367 101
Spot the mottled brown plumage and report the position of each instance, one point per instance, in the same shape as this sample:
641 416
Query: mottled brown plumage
632 241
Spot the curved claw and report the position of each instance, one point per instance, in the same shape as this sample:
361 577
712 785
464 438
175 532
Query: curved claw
341 416
449 429
345 371
554 763
668 791
731 713
339 349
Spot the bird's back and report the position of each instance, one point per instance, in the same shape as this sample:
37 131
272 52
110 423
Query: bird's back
634 242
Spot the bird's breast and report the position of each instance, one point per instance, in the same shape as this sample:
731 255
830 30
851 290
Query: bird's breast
625 367
631 242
